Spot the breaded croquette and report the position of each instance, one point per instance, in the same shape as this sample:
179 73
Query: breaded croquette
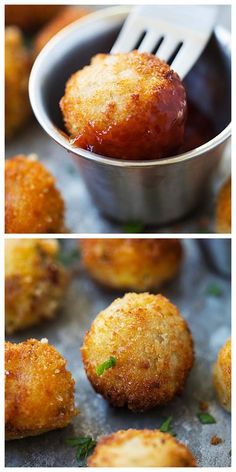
222 376
140 448
33 204
17 71
138 352
39 390
35 282
62 19
132 264
126 106
30 17
223 209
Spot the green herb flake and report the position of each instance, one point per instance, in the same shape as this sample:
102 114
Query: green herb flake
214 290
206 418
133 228
111 362
166 426
67 257
84 446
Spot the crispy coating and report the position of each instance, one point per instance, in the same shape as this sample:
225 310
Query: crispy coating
62 19
141 448
33 204
35 283
152 346
39 390
30 17
132 264
223 209
17 71
222 376
126 106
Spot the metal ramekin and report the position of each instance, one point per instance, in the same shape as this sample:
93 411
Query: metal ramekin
151 192
217 253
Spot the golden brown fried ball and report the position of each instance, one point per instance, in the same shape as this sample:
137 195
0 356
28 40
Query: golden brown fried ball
126 106
133 264
152 348
39 390
62 19
17 71
30 17
35 282
141 448
222 376
33 204
223 209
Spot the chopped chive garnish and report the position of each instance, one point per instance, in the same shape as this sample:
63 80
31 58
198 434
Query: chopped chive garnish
106 365
84 445
133 228
206 418
166 426
66 257
214 290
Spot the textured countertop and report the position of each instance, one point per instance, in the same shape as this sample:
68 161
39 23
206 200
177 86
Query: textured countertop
209 320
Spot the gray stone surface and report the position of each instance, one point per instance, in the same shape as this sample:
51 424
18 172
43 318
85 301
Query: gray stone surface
209 320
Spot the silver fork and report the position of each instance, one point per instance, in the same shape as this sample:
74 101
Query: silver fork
177 34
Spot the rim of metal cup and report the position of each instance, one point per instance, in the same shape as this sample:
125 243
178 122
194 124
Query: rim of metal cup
52 130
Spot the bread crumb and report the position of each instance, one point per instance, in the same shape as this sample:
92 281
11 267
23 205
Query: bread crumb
215 440
203 406
44 341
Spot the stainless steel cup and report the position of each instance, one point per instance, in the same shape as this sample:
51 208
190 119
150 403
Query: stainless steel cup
217 254
154 191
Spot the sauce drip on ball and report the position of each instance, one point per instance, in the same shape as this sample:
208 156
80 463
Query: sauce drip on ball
126 106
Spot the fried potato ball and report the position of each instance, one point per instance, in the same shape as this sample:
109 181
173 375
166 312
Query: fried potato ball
223 209
222 376
62 19
126 106
17 71
33 204
133 264
141 448
35 282
39 390
30 17
138 352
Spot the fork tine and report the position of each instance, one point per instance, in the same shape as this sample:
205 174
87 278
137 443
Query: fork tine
167 48
182 66
128 38
125 44
149 42
185 30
